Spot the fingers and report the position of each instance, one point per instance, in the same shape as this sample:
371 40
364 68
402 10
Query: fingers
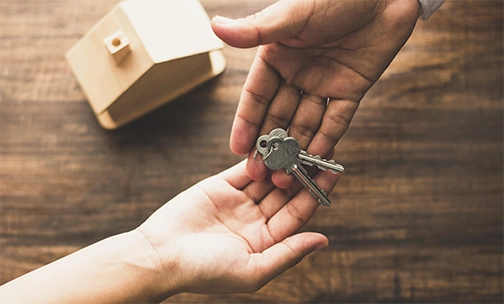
259 89
293 215
275 200
317 127
284 255
281 20
236 176
335 122
306 122
303 127
278 115
318 140
257 190
256 170
282 108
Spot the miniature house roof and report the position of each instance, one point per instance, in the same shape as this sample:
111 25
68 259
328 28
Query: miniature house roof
135 36
171 29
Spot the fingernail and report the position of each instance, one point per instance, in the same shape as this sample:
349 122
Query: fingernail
223 20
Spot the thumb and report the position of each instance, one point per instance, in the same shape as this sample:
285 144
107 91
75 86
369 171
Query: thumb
281 20
284 255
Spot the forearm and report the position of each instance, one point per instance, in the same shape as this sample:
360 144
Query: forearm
121 268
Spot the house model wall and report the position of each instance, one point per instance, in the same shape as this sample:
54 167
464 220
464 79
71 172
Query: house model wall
143 54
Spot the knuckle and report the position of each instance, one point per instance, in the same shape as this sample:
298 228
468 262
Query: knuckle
303 130
295 213
263 100
277 120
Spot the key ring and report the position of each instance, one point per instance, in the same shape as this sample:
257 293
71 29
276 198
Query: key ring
262 148
263 158
272 144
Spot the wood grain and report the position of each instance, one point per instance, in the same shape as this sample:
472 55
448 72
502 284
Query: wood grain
417 217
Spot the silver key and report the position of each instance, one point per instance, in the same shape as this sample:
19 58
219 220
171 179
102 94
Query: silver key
307 159
283 153
262 141
278 132
322 164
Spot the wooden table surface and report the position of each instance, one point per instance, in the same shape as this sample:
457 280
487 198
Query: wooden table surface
417 217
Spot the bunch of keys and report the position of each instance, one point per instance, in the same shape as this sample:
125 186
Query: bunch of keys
279 151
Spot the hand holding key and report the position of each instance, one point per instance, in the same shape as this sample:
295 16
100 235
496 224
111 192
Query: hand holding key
282 152
315 62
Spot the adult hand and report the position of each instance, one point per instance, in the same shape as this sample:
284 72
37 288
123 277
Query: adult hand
225 234
231 234
315 62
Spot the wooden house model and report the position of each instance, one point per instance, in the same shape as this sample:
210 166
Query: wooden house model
143 54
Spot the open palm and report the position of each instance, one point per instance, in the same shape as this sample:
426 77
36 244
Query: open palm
231 234
316 61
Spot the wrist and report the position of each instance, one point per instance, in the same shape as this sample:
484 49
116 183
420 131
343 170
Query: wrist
121 268
151 272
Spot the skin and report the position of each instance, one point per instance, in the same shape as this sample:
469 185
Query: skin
236 231
225 234
315 62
